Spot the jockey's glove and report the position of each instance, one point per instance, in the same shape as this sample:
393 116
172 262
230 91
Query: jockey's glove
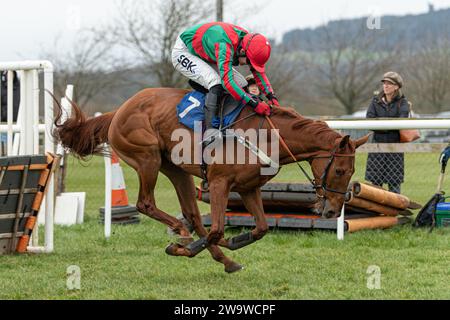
260 108
273 100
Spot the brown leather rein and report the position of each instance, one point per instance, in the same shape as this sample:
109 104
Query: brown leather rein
331 155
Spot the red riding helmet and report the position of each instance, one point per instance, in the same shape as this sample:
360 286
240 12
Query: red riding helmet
257 49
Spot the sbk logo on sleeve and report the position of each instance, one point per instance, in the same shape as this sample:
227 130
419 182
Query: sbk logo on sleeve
186 63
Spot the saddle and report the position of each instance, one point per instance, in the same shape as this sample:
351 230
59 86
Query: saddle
191 110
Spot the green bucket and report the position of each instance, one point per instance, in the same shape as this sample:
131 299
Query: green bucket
443 214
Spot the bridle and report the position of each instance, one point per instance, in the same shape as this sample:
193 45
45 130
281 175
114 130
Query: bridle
324 176
332 155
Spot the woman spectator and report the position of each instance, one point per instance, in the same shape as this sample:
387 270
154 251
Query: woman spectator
390 103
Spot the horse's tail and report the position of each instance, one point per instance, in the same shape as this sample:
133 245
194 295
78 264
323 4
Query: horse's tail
79 134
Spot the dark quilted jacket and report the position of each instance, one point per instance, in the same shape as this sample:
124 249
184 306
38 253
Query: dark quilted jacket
386 167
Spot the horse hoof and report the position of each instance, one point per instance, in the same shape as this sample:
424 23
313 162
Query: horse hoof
171 249
233 267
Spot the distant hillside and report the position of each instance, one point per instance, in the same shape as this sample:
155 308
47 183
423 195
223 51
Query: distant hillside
412 30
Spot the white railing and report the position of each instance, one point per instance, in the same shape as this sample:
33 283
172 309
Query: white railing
389 124
23 136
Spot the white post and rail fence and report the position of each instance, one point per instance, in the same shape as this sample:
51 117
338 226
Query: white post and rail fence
31 134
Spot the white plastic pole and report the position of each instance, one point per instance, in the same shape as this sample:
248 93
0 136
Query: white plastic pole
16 144
21 119
108 191
35 234
66 111
28 115
17 135
108 196
340 224
69 94
9 114
48 203
31 137
35 112
49 147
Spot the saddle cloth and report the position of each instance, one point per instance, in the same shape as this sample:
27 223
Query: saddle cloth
191 109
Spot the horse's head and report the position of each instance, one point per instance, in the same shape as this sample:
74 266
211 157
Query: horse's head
331 156
332 172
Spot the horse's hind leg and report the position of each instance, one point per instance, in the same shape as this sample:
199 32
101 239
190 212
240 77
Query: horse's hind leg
185 188
147 165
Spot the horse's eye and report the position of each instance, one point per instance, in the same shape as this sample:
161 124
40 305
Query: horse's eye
340 172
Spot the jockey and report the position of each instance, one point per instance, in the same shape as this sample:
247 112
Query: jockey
206 54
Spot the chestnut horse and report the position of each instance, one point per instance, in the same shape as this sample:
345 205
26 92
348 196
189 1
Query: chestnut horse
140 132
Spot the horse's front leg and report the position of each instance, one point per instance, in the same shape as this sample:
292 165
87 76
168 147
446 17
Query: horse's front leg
253 202
219 190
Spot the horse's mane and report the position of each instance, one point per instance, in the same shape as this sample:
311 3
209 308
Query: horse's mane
315 128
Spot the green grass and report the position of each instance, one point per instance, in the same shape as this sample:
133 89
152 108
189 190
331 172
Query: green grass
284 265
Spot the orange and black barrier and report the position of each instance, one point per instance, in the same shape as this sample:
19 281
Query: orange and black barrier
289 205
23 182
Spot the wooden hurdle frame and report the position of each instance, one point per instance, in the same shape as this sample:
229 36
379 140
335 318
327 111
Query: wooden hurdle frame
23 184
23 136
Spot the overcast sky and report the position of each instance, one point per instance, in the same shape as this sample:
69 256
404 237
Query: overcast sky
28 25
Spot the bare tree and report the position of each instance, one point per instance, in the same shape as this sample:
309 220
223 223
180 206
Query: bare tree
84 66
349 63
147 30
428 71
285 69
240 12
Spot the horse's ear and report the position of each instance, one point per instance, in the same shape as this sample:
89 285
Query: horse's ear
362 140
345 140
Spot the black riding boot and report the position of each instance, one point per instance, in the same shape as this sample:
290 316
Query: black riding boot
212 107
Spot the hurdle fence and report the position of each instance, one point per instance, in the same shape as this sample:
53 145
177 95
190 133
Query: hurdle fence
23 137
